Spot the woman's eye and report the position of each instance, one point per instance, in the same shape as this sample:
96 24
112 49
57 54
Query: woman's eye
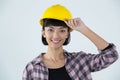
51 30
62 30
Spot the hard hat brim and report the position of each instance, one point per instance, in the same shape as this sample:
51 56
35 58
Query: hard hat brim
41 22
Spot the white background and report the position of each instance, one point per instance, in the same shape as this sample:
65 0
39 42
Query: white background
20 32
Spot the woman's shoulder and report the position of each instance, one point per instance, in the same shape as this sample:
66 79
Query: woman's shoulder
35 61
76 54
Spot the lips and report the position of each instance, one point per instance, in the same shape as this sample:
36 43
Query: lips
55 41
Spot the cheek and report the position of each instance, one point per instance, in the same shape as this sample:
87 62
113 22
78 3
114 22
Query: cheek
48 35
66 35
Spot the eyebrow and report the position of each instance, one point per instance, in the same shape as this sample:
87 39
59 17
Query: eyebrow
58 26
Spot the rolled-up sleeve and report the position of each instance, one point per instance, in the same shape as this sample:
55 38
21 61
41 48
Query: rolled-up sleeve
102 60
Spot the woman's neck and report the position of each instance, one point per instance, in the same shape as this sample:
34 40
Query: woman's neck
55 54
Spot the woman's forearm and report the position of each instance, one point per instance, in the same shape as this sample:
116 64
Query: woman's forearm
77 24
96 39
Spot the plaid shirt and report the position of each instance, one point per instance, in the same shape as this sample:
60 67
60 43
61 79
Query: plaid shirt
79 65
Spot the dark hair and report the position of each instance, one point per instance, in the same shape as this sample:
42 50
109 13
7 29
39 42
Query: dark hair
54 22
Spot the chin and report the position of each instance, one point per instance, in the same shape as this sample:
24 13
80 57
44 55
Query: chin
56 46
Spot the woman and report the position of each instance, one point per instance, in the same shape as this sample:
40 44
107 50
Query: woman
58 64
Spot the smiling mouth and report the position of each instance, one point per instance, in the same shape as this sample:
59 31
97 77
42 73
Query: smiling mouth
55 41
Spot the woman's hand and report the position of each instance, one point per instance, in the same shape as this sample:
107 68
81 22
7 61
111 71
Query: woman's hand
76 24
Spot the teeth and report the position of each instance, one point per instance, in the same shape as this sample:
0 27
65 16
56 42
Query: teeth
55 41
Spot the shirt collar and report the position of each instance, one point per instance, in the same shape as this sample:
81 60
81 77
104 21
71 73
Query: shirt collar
38 60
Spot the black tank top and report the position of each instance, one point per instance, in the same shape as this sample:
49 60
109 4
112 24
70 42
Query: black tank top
59 74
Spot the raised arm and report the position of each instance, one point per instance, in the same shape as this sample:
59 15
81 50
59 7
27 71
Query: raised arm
108 53
77 24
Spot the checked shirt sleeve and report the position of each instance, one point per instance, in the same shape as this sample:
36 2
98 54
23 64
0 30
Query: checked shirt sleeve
27 72
102 60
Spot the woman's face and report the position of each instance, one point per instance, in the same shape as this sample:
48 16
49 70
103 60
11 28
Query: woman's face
55 35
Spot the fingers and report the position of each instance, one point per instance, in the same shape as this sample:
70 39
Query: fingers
67 21
76 22
73 22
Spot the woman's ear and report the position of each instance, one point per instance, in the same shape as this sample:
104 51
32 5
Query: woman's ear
43 33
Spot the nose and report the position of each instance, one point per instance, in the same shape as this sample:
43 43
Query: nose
56 34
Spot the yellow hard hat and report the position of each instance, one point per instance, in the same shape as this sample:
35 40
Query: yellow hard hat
58 12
